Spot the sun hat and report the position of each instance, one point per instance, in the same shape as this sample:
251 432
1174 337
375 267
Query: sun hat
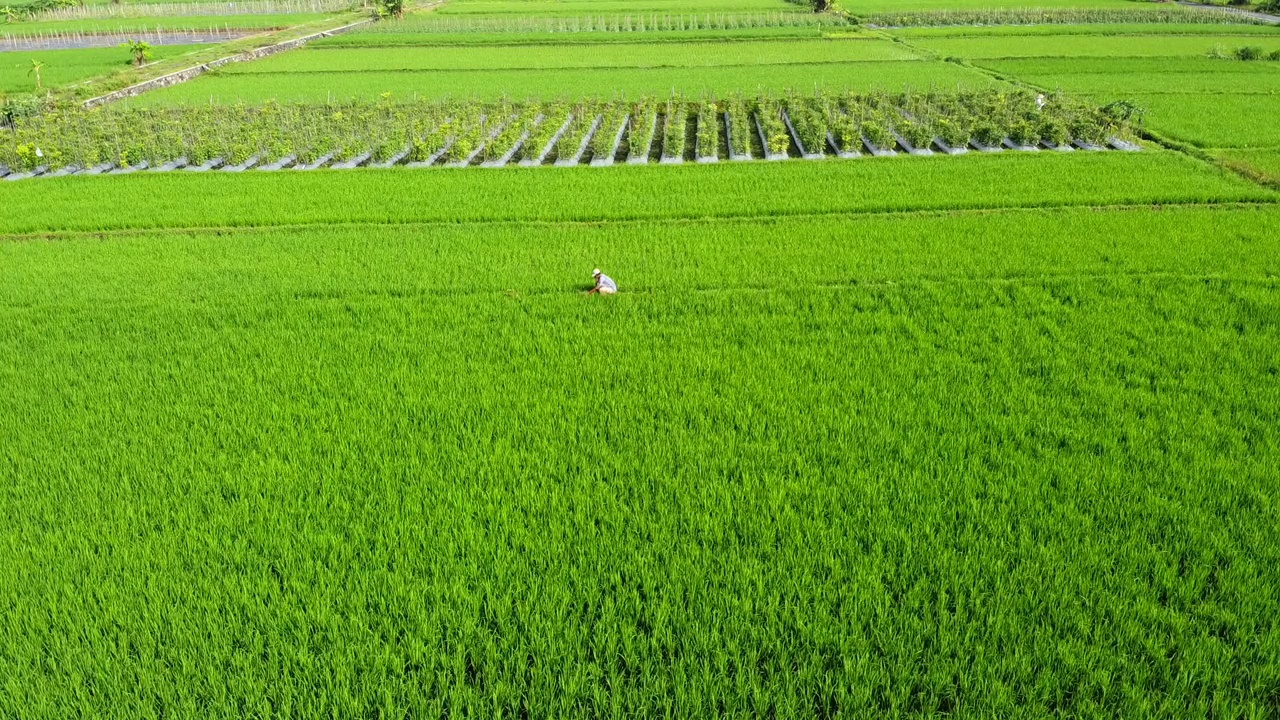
595 272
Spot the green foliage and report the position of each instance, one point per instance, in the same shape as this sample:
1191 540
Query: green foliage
571 71
809 121
234 451
139 50
616 26
675 117
1024 132
975 181
1169 14
554 117
585 113
389 9
709 124
460 128
13 109
768 112
643 128
21 11
35 68
612 117
1249 52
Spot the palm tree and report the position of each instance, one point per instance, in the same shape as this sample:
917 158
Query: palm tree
36 67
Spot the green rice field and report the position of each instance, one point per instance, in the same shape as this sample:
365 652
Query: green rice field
248 84
572 8
158 24
63 67
984 435
1060 47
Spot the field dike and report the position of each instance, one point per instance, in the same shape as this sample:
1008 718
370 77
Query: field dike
190 73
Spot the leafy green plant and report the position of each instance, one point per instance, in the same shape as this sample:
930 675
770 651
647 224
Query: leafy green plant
1024 133
988 133
708 130
917 133
389 9
35 69
140 51
953 132
878 134
809 122
768 111
1054 131
674 127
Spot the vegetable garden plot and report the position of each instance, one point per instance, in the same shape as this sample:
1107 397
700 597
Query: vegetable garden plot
465 134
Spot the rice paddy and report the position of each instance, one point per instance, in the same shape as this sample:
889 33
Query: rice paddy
981 435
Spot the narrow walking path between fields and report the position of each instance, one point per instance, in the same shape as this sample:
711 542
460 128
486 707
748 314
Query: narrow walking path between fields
186 74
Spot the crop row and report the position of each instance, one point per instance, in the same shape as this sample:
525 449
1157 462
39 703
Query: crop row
459 134
1059 16
51 12
612 23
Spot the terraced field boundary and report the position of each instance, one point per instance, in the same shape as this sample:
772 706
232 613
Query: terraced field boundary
184 75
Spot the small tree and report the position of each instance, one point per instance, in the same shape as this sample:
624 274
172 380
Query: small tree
141 51
391 8
36 67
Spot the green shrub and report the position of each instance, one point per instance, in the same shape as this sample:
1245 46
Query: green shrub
1054 132
1249 52
953 132
916 133
1023 132
878 135
988 134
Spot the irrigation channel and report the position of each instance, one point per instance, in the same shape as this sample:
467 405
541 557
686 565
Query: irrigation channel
614 141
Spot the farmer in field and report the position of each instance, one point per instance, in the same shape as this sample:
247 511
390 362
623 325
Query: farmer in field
604 284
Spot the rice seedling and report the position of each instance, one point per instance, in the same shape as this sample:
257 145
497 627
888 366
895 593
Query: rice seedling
430 28
973 181
331 442
1175 14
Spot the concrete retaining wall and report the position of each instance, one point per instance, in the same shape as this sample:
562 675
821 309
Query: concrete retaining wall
182 76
